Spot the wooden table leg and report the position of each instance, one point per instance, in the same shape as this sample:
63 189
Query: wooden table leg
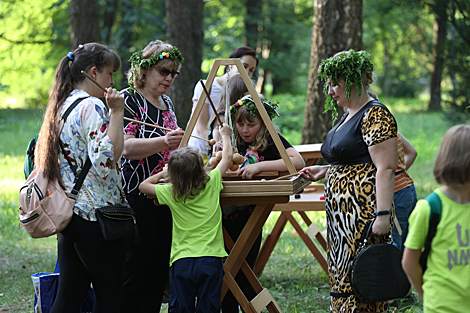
237 257
269 244
309 242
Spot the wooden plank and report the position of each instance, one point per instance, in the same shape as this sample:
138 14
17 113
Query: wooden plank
200 105
309 149
232 176
253 189
262 300
238 200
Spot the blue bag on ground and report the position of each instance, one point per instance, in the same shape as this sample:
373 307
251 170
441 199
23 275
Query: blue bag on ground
45 291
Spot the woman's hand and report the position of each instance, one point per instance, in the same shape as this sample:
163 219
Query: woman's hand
314 173
381 225
114 99
173 138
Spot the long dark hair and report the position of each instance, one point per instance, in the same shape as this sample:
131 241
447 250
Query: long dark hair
187 174
242 51
67 75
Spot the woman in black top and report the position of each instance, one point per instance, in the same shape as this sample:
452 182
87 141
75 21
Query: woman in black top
359 183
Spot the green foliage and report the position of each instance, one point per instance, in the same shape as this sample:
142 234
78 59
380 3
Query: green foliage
399 38
252 109
28 53
284 39
349 66
292 111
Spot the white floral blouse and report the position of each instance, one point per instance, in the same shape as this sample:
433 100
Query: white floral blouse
85 134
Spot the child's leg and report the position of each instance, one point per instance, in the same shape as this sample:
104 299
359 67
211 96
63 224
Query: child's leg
183 286
210 273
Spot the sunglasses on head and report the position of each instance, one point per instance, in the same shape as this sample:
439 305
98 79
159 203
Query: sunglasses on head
166 72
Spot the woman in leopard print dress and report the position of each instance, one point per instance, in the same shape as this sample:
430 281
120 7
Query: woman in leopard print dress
362 151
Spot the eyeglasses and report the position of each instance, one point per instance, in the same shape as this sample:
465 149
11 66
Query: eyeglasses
165 72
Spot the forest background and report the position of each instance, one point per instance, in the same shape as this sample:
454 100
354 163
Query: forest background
418 47
420 50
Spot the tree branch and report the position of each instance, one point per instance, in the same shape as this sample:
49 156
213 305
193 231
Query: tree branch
20 42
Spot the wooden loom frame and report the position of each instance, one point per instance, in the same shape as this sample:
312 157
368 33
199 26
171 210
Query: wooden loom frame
265 194
262 111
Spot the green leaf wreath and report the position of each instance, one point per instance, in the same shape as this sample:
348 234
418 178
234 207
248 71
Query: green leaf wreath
253 109
137 62
348 65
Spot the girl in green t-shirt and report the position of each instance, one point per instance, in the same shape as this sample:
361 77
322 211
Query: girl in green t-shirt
445 283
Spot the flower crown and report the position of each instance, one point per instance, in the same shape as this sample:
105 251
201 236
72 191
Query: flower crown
250 105
137 61
349 65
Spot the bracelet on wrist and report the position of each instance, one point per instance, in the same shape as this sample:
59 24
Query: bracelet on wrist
383 212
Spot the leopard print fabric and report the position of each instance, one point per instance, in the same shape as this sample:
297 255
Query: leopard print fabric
350 204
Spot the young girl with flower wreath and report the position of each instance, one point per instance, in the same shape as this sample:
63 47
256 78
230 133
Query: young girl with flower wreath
254 142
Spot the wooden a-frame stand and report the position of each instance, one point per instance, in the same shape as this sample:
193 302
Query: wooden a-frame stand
264 115
264 194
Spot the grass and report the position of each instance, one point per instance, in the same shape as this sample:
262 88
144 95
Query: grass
292 275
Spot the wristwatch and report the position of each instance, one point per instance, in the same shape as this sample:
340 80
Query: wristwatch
383 212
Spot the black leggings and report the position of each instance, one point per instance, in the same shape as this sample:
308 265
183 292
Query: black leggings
147 263
234 227
84 258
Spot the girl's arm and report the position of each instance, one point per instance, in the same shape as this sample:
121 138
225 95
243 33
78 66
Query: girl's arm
227 152
413 269
141 148
250 170
116 104
148 186
384 156
410 152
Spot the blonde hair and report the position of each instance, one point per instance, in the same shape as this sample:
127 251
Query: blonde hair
153 48
187 174
452 165
261 139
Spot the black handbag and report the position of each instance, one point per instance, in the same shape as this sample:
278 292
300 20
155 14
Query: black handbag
117 221
376 273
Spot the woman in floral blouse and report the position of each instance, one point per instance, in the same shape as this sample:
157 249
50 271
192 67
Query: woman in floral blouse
146 151
89 131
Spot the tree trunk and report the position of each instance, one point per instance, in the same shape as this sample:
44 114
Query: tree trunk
337 26
184 30
440 29
125 39
84 22
253 15
109 16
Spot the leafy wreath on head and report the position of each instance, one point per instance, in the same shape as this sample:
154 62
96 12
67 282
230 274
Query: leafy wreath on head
138 61
250 105
349 65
